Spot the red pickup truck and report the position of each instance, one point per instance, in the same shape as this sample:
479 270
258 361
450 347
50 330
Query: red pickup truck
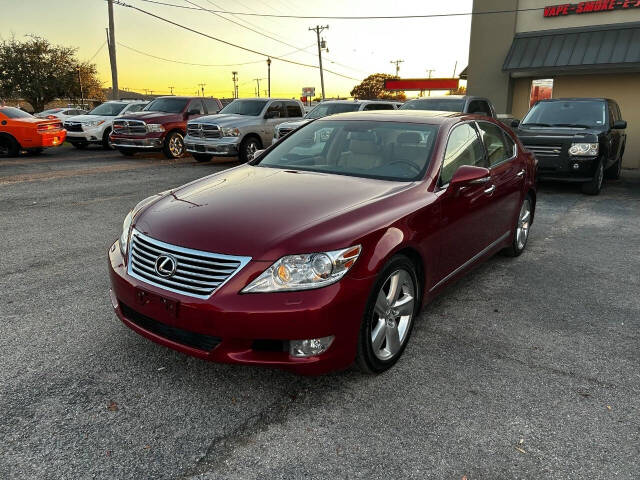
161 125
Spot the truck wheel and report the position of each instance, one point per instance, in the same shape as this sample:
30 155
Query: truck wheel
594 186
9 147
248 148
106 143
202 157
127 152
173 145
80 145
614 171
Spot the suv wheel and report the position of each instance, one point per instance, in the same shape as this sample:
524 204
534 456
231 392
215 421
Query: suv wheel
106 142
173 145
248 148
614 171
388 318
594 186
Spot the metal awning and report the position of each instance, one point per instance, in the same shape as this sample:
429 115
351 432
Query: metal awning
594 49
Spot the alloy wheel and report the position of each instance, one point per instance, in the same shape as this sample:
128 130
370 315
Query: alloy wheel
252 148
392 315
176 145
524 222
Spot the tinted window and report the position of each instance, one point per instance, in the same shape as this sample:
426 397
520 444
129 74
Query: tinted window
108 109
586 113
245 107
463 148
384 150
12 112
211 105
325 109
439 104
278 108
136 107
479 106
167 105
494 141
378 106
293 110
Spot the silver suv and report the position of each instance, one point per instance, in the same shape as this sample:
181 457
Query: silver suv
241 128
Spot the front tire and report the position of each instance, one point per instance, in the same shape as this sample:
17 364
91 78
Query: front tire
594 186
521 229
202 157
106 143
388 320
248 148
173 145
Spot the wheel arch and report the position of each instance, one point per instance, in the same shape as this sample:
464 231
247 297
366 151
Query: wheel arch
8 136
253 135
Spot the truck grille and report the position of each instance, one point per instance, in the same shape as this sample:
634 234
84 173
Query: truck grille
203 130
195 273
73 126
545 150
130 127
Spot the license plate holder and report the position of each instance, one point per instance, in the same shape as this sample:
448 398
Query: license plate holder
157 302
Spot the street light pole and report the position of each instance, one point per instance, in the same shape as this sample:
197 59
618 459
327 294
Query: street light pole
81 91
318 29
268 77
235 84
111 40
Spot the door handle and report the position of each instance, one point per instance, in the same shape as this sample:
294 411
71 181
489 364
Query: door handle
520 173
490 190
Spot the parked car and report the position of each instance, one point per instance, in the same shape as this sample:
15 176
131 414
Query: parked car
61 113
20 130
161 125
240 129
453 103
575 140
322 249
95 126
332 107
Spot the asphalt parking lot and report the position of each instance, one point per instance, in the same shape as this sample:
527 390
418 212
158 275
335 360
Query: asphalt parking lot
527 368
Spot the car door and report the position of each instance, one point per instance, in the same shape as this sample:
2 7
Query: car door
507 178
614 135
464 234
269 124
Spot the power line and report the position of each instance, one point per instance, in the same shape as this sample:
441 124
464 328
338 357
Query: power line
171 22
98 51
372 17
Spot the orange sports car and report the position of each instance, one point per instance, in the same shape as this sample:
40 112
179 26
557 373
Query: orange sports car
20 130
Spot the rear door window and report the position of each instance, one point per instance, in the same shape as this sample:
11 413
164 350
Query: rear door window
293 110
495 143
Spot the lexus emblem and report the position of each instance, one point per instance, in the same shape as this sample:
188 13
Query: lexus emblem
166 266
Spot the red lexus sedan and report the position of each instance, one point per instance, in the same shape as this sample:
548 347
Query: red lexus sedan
322 250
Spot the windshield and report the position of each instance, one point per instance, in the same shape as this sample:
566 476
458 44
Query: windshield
12 112
167 105
325 109
385 150
250 108
108 109
589 113
436 104
51 111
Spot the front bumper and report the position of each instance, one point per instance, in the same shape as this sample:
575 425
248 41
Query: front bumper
88 135
568 169
223 147
131 142
248 329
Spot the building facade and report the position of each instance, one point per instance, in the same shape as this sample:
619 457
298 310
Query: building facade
523 50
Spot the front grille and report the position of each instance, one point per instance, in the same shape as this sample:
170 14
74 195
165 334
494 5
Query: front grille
545 150
197 273
200 341
130 127
73 126
203 130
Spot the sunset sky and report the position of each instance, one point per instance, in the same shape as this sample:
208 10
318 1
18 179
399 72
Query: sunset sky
357 48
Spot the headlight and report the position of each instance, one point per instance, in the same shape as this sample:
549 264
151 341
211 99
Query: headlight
306 271
94 123
584 149
230 132
155 127
128 220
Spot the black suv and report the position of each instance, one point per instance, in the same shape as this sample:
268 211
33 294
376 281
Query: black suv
575 140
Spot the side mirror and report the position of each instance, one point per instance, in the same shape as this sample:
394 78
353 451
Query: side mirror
469 175
272 114
620 124
515 123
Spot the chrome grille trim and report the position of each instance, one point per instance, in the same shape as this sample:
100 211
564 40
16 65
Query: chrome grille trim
73 126
545 150
130 127
198 273
203 130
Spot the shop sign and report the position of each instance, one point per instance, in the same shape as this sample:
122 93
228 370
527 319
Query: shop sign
595 6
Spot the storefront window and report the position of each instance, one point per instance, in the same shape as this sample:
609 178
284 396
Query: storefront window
541 89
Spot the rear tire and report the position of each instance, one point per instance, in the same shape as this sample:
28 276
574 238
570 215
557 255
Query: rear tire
521 229
202 157
614 171
127 152
173 145
9 146
106 143
389 315
594 186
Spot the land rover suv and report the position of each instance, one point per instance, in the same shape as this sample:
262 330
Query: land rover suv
575 140
240 129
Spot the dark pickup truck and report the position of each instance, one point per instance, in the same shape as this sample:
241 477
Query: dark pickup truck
575 140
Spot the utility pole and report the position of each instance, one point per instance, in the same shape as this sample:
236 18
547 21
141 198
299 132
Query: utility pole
268 77
321 44
397 63
235 84
81 91
202 85
430 71
257 80
111 42
171 90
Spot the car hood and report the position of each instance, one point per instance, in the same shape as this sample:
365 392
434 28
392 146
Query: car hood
538 134
261 212
229 120
295 123
153 117
89 118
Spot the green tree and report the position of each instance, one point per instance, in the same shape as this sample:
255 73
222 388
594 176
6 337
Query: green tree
40 72
372 88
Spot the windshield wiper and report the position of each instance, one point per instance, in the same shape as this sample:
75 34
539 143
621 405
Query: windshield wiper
575 125
535 124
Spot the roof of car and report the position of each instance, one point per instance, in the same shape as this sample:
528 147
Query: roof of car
413 116
573 99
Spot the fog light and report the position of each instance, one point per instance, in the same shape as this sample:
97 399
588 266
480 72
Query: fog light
310 347
576 166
